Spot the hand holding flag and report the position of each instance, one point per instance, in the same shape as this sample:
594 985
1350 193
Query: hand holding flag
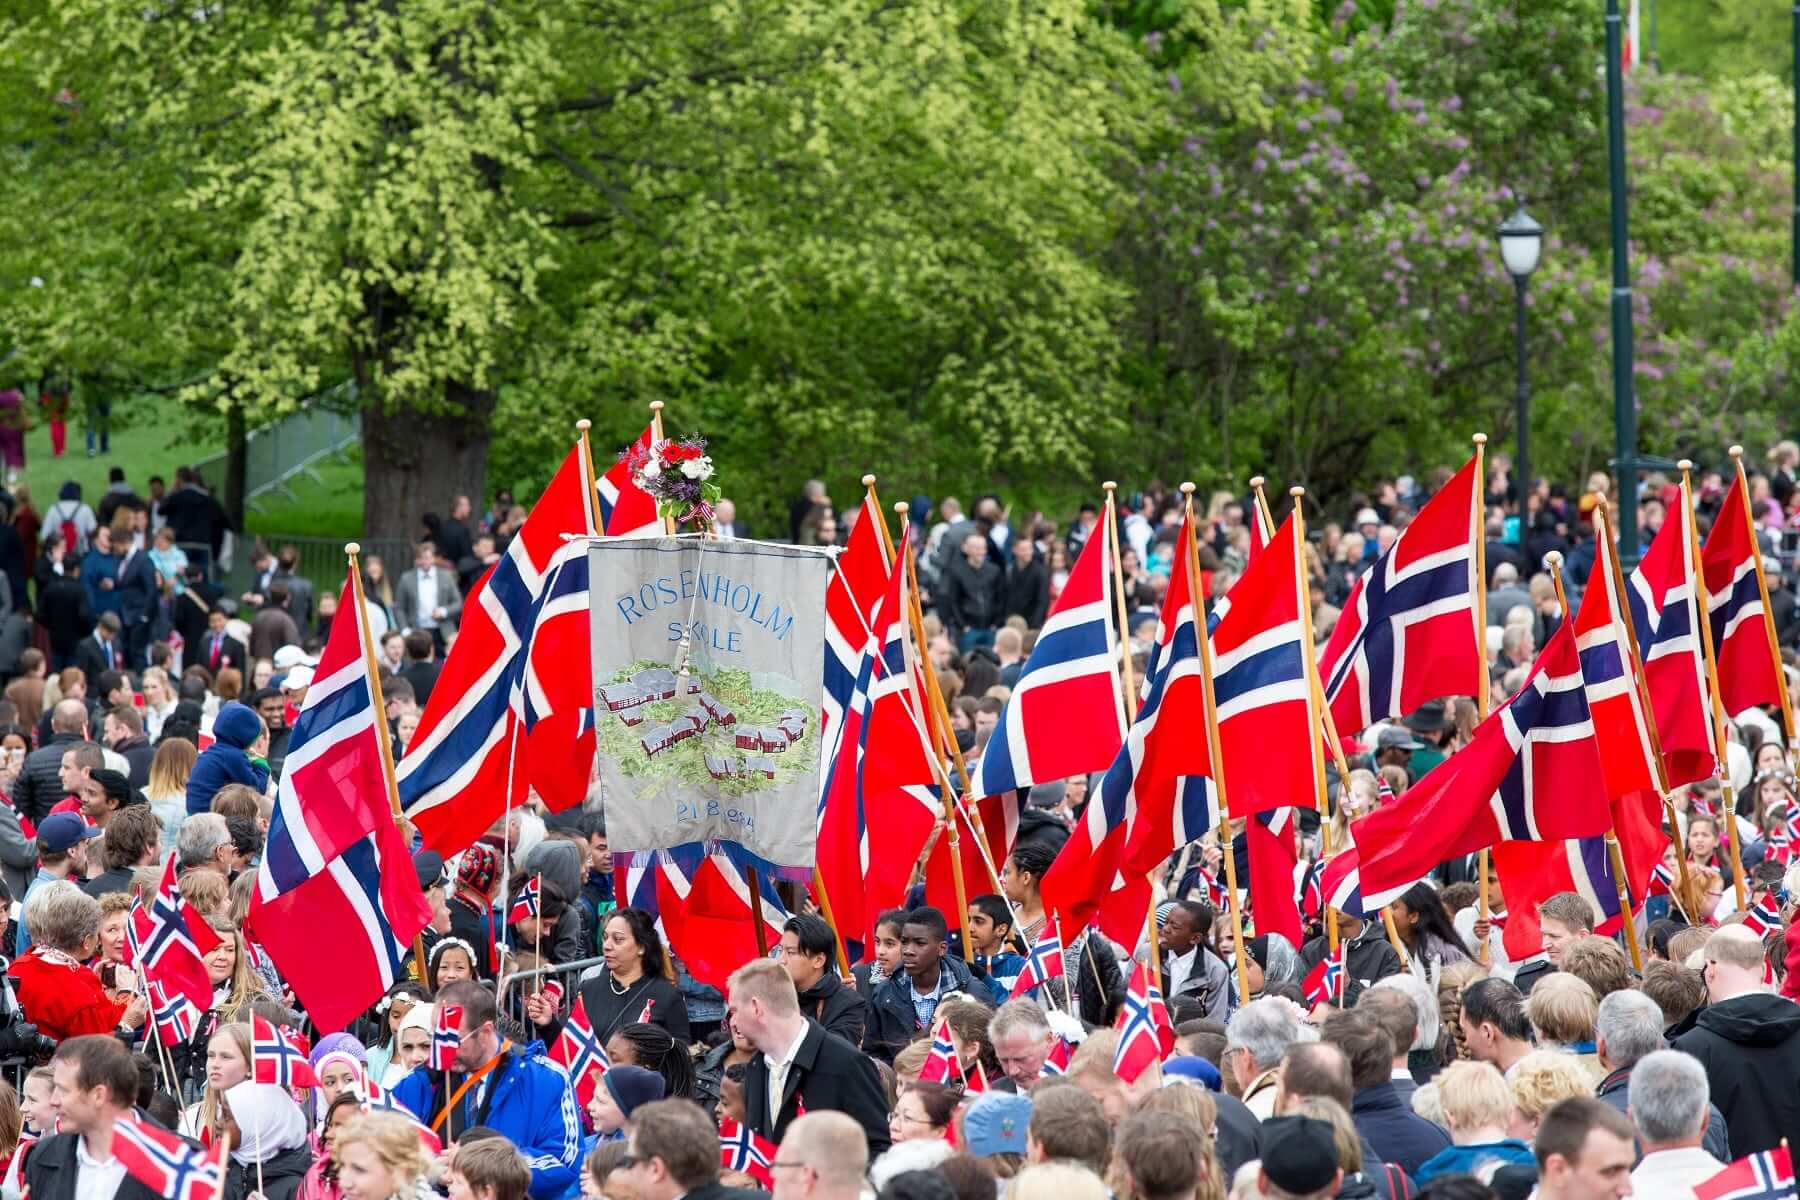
446 1036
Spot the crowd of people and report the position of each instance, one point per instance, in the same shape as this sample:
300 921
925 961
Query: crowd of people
146 713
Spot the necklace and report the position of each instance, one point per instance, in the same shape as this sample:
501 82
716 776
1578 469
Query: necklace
613 983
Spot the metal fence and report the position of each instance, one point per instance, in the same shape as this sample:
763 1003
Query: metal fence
284 449
322 559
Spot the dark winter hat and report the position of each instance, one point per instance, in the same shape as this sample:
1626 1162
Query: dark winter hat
632 1087
1299 1154
480 867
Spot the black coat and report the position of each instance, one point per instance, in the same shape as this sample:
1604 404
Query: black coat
971 597
1028 591
137 592
836 1006
423 677
1368 958
51 1168
1750 1047
827 1073
39 787
232 653
607 1011
893 1022
64 612
92 660
281 1175
1615 1089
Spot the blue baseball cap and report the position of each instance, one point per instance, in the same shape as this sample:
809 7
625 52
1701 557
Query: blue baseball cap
995 1124
59 831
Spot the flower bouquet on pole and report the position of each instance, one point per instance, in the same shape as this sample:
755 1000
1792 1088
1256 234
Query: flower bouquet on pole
678 473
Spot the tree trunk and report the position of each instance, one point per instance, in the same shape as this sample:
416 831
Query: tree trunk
414 463
237 461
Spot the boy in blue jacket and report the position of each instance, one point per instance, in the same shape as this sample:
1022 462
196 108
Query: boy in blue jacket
234 757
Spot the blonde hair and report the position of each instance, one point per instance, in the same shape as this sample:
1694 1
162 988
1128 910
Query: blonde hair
910 1061
170 768
1562 1009
1544 1078
211 1100
1054 1181
1452 979
205 889
767 980
12 1120
110 903
1474 1095
394 1141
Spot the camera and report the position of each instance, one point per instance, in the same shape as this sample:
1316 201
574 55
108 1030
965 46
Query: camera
20 1040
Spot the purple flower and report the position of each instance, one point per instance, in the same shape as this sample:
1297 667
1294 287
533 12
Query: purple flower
1349 91
1331 116
1453 104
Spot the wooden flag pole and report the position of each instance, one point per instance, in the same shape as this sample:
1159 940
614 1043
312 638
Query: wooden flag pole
1712 679
1234 902
1110 516
1621 885
1603 535
1478 533
537 936
1314 691
1762 588
1156 974
351 551
753 881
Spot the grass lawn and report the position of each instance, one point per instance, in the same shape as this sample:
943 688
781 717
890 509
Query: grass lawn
330 506
150 437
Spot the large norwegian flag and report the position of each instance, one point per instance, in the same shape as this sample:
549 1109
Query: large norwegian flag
883 785
1273 862
1743 631
705 912
1407 631
627 510
854 592
1066 713
1531 773
1532 872
1621 728
336 899
1259 660
514 703
1340 882
1143 797
1661 592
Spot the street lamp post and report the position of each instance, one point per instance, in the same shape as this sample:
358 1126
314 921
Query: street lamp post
1521 241
1625 461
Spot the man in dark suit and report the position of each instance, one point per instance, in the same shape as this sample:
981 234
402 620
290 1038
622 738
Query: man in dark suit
135 585
102 651
420 670
797 1062
216 650
674 1154
98 1083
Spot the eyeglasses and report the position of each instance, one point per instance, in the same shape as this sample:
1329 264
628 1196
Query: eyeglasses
779 1165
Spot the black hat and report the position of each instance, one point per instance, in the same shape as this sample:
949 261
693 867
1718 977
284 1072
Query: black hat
1427 718
1396 738
429 865
1258 949
1299 1154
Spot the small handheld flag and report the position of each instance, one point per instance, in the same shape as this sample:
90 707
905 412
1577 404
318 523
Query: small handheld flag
279 1058
1058 1061
1765 1175
1145 1033
167 1164
1326 979
580 1053
743 1149
1044 962
525 904
446 1036
942 1065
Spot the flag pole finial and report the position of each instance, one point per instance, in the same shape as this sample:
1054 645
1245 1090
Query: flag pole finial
1187 489
901 508
583 425
1111 485
1735 451
656 406
1479 439
1296 491
1256 481
868 481
1687 464
1554 560
352 547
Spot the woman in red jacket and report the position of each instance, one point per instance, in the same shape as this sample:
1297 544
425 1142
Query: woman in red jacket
59 994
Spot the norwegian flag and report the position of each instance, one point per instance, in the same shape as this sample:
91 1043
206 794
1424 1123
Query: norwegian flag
336 899
1154 782
1407 630
1273 866
703 908
1312 890
1661 593
169 941
627 510
942 1064
1765 917
176 1017
1621 729
1057 1061
1743 630
580 1053
1531 772
446 1036
376 1098
514 702
1340 882
167 1164
1326 980
1783 836
1212 892
851 598
1662 882
976 1081
1066 713
1765 1175
525 904
883 782
743 1149
277 1058
1043 961
1145 1033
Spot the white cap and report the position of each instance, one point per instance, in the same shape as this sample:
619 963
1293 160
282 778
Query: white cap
291 656
297 678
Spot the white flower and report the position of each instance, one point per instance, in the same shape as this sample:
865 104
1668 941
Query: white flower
698 468
652 468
